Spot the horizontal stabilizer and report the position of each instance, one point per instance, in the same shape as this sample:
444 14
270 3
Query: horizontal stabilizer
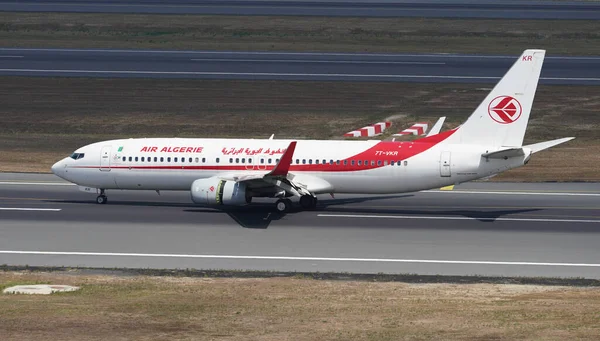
437 127
504 153
536 147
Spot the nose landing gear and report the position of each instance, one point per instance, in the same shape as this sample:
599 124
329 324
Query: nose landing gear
101 199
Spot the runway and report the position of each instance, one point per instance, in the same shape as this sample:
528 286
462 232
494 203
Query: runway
450 68
354 8
494 229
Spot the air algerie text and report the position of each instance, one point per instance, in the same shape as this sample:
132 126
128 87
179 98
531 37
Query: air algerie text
172 149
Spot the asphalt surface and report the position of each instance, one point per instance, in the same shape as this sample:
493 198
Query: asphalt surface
286 66
494 229
353 8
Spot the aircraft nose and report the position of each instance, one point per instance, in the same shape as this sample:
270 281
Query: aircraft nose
57 168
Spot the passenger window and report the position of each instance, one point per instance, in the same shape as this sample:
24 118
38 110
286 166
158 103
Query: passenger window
405 163
269 161
217 160
297 161
130 159
338 162
331 162
392 162
310 161
385 163
352 162
316 161
262 160
249 160
378 162
243 160
190 160
359 162
174 159
136 159
162 159
237 160
303 161
230 160
345 162
324 161
155 159
203 160
276 160
366 163
143 159
182 159
372 162
169 159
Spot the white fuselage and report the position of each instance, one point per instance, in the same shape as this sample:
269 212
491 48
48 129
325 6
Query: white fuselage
361 167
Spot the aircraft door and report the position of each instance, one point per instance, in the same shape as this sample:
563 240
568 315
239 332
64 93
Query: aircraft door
445 170
105 155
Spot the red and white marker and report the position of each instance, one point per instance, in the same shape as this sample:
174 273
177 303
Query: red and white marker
372 130
416 129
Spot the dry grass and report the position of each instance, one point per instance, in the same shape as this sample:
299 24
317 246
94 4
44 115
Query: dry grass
44 119
162 308
252 33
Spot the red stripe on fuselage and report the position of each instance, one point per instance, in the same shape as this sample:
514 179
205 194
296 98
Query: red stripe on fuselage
383 151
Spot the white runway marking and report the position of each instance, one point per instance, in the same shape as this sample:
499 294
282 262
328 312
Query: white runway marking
312 61
545 220
514 193
275 74
330 259
434 55
29 209
36 183
267 74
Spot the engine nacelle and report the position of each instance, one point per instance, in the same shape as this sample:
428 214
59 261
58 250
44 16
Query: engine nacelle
215 191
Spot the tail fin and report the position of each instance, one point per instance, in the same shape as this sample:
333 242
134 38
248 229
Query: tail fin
501 119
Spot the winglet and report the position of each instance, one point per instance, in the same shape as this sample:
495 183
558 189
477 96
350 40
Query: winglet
437 127
283 166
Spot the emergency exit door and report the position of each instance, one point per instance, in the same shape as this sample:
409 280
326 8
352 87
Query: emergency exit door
105 158
445 170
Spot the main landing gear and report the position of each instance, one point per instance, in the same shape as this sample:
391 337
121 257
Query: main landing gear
307 202
101 199
283 205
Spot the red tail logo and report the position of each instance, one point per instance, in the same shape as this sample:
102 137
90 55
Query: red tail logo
505 109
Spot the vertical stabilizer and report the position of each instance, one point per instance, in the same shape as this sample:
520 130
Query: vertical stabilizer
501 119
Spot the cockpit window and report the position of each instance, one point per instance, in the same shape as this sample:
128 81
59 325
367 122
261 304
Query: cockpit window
77 156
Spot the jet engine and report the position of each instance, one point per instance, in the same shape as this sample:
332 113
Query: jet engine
215 191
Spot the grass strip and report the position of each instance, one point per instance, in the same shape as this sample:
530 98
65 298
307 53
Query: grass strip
167 308
45 119
302 33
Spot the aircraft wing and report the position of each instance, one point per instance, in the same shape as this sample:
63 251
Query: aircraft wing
277 177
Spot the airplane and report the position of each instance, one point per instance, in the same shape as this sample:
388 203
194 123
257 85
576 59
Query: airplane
230 172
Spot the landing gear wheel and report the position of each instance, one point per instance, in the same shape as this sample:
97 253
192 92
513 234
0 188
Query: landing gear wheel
308 202
101 199
283 205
